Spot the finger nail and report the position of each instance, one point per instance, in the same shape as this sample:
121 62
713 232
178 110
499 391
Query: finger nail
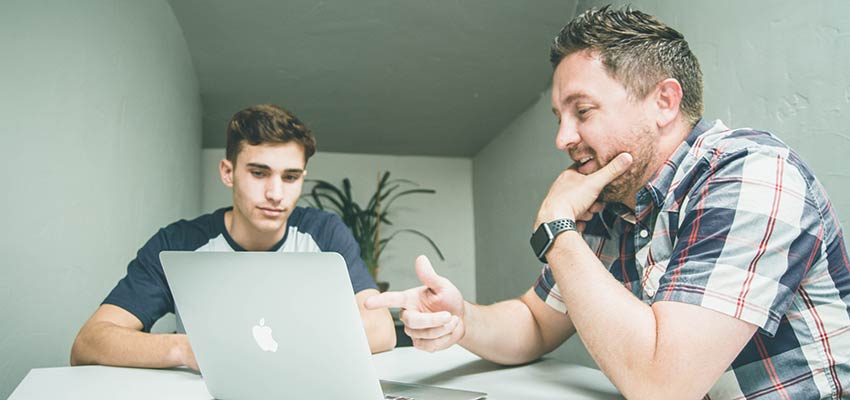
625 160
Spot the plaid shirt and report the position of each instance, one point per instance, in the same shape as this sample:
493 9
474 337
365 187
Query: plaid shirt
735 222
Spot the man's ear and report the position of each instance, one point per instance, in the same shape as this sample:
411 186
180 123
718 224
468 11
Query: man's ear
668 97
225 168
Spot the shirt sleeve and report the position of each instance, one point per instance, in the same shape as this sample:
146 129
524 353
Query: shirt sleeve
747 233
336 237
547 290
144 291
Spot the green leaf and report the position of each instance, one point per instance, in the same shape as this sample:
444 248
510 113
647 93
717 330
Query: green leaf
365 222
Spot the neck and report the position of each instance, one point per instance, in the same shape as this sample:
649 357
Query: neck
249 238
669 139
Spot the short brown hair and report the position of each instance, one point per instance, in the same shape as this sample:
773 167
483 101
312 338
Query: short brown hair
267 123
637 50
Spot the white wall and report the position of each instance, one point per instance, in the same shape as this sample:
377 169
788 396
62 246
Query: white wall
446 216
776 65
101 145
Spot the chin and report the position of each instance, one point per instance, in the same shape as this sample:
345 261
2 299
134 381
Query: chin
615 192
269 225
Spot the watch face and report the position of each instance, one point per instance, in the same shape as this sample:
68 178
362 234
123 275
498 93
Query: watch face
540 239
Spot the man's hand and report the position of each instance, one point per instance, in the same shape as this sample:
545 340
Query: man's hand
575 196
432 313
185 354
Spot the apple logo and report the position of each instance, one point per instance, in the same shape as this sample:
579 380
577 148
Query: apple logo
263 337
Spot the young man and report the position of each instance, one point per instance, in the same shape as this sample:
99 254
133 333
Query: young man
691 258
266 156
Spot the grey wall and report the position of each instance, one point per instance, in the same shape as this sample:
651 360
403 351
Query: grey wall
445 216
773 65
101 146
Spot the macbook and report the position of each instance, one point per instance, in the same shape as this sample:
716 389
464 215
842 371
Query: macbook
280 325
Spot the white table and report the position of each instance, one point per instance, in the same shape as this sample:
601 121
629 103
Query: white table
453 368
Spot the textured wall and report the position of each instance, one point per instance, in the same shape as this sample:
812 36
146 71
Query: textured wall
776 65
101 146
445 216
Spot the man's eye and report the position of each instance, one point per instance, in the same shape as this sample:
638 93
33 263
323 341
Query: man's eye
291 178
258 174
583 113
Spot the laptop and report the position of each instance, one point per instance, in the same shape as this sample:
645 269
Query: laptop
280 325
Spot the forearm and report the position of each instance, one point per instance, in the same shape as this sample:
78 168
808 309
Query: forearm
106 343
380 330
619 331
505 332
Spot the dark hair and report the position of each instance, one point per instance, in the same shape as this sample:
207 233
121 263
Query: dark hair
637 50
267 123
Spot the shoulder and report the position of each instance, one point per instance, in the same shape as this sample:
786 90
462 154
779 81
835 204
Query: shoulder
314 221
191 234
747 170
721 143
325 228
743 154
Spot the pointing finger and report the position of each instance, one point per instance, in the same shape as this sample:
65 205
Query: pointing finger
405 299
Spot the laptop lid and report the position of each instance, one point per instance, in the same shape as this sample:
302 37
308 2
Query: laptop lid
272 324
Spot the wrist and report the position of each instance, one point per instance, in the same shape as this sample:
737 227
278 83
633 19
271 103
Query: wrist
562 245
178 350
543 238
468 310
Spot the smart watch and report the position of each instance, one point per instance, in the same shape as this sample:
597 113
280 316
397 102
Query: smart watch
542 238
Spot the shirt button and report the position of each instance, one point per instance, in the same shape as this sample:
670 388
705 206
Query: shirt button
650 292
644 233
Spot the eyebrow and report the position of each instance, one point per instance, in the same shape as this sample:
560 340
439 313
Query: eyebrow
266 167
573 98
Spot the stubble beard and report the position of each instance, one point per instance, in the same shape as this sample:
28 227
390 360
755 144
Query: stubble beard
643 147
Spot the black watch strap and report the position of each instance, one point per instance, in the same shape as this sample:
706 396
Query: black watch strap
544 236
559 225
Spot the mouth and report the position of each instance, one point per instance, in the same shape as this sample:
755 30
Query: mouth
582 164
271 212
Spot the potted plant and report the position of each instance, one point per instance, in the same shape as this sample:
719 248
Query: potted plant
365 222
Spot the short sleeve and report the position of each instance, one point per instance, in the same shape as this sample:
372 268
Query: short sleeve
547 290
747 234
336 237
144 291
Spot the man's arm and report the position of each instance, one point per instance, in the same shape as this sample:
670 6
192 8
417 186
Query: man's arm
380 330
670 350
514 331
510 332
113 336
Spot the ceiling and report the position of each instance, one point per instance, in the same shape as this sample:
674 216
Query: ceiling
404 77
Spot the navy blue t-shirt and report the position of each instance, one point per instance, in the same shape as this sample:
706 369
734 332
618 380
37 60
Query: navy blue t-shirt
145 293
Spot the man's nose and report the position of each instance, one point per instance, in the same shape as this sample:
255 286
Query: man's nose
274 190
567 135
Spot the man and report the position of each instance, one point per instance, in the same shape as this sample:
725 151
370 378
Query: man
266 156
691 258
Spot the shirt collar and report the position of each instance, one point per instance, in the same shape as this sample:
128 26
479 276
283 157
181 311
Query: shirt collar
659 184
